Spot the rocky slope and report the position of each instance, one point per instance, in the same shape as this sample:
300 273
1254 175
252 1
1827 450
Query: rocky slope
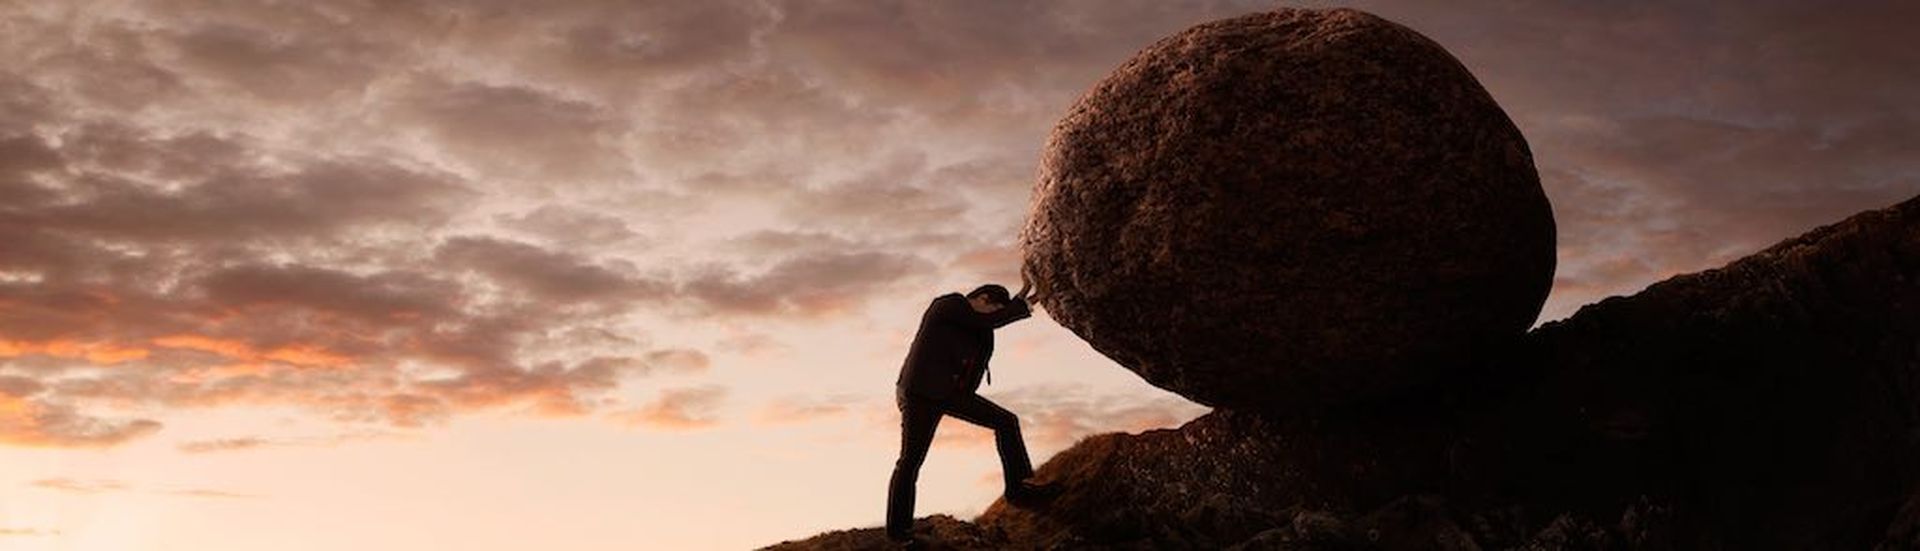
1771 403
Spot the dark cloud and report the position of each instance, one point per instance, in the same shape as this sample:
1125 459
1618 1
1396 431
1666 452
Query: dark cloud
114 67
546 274
271 65
515 130
571 227
378 298
969 65
805 285
215 193
21 156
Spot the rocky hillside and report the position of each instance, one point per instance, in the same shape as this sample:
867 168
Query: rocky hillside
1771 403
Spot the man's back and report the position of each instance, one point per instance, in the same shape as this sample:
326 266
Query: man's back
951 349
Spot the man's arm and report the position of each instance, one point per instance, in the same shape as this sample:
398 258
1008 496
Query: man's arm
957 311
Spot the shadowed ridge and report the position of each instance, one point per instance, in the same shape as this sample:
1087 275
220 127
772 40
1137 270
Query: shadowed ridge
941 532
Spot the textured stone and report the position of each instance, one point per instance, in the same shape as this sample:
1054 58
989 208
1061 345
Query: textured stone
1775 401
939 532
1290 209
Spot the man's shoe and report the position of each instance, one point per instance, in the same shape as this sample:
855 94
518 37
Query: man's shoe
909 544
1029 494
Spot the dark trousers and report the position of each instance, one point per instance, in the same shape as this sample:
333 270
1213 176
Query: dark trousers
919 416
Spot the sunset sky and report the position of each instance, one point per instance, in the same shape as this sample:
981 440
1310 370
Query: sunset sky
498 275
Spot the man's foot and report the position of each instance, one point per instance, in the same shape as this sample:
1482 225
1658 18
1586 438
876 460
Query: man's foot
906 542
1029 493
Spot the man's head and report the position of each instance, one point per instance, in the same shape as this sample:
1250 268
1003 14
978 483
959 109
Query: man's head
989 298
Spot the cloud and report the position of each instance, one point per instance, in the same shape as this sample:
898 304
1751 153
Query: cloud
798 409
255 61
39 422
98 486
571 227
79 486
487 126
234 200
751 344
229 271
784 242
545 273
242 443
225 444
682 360
209 493
689 408
806 285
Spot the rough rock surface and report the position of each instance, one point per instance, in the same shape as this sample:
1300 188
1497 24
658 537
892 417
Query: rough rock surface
1289 208
1773 403
941 532
1776 399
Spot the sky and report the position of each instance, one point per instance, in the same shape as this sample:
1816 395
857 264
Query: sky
639 275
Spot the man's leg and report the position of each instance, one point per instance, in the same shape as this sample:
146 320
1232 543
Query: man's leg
975 409
918 419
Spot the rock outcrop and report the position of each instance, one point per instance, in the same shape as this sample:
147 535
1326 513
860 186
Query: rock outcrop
1771 403
1776 399
1290 209
941 532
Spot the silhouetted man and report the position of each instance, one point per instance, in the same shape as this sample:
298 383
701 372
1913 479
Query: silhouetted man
942 371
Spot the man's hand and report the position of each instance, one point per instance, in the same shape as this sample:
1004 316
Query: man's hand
1026 283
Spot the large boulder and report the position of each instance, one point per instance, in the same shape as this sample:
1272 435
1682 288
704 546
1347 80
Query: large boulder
1290 209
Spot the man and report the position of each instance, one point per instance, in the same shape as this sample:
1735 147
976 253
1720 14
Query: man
942 371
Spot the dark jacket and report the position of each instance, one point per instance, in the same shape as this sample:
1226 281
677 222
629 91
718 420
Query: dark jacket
951 350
